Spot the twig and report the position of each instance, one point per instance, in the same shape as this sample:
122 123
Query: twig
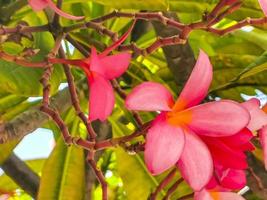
74 97
21 61
163 184
158 16
23 29
172 189
185 197
257 179
98 27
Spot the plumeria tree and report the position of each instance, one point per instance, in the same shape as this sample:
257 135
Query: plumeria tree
155 99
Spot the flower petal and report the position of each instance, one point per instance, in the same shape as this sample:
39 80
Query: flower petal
234 179
205 195
112 66
197 85
195 163
164 145
38 5
263 140
61 13
149 96
101 98
238 139
258 116
219 118
264 108
224 155
118 42
263 4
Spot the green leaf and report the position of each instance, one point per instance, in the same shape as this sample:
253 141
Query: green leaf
259 65
137 4
63 176
132 169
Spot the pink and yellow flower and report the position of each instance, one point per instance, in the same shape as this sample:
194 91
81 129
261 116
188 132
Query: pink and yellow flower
38 5
100 69
258 122
213 195
174 138
229 159
263 4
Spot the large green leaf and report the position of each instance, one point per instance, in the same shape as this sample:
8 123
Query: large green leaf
132 169
63 176
137 4
20 80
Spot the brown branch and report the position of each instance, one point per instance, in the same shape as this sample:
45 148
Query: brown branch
121 140
159 42
77 45
74 97
185 197
163 184
256 178
151 16
23 29
98 27
21 174
100 178
228 11
21 61
172 189
238 25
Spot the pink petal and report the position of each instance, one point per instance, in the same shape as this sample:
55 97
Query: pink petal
263 4
164 145
205 195
233 179
38 5
118 42
225 155
197 85
263 140
112 66
101 99
226 196
240 141
220 118
196 163
61 13
258 117
149 96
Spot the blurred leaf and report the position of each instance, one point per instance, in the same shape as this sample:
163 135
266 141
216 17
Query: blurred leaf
137 4
63 176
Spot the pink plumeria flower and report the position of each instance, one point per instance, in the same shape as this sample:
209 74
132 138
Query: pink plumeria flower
173 137
258 123
263 4
38 5
229 159
100 69
216 195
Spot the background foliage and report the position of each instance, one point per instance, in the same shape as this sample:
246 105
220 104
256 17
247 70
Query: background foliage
239 60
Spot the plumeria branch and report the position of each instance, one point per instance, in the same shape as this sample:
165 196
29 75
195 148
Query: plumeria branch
185 197
220 11
172 189
163 184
